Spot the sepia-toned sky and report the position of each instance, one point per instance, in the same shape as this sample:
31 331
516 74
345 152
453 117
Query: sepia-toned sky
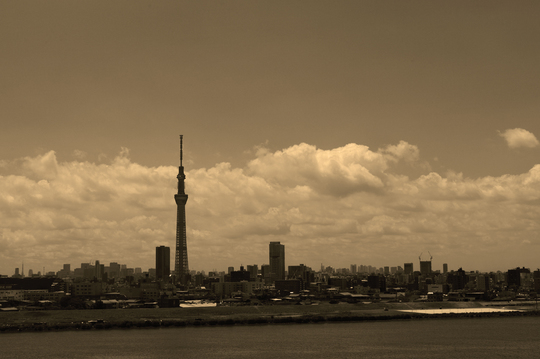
354 132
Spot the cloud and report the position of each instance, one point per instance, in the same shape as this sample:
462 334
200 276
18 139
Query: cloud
518 137
80 155
338 206
53 205
337 172
403 150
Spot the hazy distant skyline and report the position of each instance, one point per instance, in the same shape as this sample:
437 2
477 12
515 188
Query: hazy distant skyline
353 132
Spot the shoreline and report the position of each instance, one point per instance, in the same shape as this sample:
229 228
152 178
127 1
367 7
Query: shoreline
93 319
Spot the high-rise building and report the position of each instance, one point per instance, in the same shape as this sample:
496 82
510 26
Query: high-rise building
536 280
457 279
114 270
515 276
425 267
265 273
181 268
296 272
253 271
482 283
99 269
123 270
302 274
277 261
163 262
445 268
63 273
408 268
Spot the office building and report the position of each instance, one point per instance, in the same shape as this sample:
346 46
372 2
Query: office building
240 275
482 283
253 271
516 276
377 281
408 268
265 273
457 279
425 268
99 270
277 261
114 270
163 263
297 272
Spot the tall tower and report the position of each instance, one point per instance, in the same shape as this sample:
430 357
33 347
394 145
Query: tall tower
277 261
163 263
181 268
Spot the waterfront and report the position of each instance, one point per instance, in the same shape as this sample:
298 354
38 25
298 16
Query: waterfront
508 337
460 310
52 320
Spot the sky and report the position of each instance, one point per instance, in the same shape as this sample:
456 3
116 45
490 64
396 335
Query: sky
353 132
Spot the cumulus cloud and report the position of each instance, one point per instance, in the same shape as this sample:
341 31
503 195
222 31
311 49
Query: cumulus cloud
338 172
402 150
57 204
518 137
339 206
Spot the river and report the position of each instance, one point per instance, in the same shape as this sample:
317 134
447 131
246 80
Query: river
507 337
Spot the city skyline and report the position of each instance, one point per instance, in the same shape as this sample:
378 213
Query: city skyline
351 133
423 268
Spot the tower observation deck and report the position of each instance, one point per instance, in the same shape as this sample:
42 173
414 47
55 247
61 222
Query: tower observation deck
181 268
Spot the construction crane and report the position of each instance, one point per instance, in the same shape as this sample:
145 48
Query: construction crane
430 256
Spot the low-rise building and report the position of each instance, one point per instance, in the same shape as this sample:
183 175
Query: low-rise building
225 289
86 289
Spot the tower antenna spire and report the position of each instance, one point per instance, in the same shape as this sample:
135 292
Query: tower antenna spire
181 153
181 267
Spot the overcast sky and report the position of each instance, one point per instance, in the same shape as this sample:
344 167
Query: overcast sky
354 132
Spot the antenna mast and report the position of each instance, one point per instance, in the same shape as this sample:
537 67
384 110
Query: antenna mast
181 154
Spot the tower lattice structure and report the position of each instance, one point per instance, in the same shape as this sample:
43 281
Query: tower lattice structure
181 268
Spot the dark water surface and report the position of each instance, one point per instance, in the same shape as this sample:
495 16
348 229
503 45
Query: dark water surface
509 337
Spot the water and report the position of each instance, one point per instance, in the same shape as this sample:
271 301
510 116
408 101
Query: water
511 337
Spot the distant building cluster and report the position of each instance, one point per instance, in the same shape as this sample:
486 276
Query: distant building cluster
116 286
